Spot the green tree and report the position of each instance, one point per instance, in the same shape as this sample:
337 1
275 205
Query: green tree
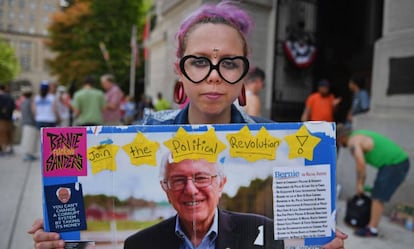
77 31
9 66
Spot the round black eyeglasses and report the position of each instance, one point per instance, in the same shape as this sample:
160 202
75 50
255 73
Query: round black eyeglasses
230 69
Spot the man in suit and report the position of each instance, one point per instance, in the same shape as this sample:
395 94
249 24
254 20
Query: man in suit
193 188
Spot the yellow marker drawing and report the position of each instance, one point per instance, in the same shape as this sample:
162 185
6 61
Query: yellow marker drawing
142 151
193 146
253 148
302 144
102 157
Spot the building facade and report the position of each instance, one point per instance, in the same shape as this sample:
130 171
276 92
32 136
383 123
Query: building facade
23 23
392 96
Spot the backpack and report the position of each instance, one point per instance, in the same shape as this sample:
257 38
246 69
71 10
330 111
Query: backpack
358 211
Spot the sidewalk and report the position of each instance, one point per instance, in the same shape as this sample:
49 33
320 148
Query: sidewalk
21 200
21 205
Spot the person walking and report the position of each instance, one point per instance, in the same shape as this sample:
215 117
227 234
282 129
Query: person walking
44 107
63 106
392 162
161 103
113 98
7 106
254 84
30 133
321 104
88 104
360 98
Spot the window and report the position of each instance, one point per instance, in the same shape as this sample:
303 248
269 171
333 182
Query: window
25 49
401 76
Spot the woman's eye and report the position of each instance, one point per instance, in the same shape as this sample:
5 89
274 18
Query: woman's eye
200 62
229 64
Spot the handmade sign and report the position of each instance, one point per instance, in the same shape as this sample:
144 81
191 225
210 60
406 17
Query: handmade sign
102 183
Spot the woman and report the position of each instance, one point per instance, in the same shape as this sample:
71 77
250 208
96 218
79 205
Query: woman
30 133
44 107
211 64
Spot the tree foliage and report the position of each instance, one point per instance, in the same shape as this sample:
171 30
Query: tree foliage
76 32
255 198
9 66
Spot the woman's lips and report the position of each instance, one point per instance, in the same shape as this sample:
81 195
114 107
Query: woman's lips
212 95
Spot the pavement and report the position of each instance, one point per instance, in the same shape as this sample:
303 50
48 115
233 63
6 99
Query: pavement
21 204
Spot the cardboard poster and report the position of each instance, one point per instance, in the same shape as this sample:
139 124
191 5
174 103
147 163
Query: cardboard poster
284 171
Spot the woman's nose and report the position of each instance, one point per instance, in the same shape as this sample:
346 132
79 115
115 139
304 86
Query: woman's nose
214 77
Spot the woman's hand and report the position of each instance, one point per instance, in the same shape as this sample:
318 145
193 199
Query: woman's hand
45 240
338 242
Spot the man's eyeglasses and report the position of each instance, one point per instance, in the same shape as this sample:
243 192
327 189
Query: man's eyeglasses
179 182
197 69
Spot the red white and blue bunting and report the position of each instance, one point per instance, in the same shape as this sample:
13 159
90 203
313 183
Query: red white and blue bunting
301 54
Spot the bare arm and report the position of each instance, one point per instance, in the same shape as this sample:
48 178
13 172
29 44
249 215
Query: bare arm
305 114
253 106
358 154
33 106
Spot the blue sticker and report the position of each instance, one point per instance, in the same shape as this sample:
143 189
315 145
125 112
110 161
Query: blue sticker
65 207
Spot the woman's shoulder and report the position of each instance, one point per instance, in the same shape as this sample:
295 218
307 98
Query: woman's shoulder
152 117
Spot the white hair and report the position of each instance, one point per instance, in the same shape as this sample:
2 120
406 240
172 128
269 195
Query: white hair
61 188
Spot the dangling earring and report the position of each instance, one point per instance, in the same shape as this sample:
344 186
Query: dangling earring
179 94
242 97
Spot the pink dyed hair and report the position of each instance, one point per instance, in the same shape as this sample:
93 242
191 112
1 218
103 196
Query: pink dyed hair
224 12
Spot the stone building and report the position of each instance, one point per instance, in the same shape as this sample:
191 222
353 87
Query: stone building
23 23
392 96
372 39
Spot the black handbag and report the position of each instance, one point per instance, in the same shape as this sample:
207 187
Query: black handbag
358 211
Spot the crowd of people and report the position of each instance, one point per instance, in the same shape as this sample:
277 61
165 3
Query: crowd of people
52 105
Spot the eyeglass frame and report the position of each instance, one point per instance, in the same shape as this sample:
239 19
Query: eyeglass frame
214 66
166 182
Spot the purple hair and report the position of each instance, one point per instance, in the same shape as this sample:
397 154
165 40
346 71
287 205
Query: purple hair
223 13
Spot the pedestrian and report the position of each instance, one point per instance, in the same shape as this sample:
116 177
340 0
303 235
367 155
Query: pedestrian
45 108
7 106
254 84
88 104
320 106
113 99
360 97
63 106
211 64
392 162
161 103
143 105
30 133
130 110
